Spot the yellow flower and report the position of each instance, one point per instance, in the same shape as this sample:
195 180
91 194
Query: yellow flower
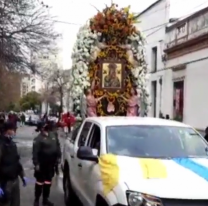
126 9
136 21
131 16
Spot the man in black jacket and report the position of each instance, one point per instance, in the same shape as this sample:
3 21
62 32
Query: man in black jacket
46 154
10 168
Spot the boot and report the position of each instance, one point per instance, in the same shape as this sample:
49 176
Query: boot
46 193
46 202
38 192
36 203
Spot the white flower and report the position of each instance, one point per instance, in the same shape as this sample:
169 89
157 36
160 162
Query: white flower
86 49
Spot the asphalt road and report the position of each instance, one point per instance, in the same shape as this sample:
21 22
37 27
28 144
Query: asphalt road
24 140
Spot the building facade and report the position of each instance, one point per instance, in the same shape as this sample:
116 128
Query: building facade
31 83
186 70
153 22
41 63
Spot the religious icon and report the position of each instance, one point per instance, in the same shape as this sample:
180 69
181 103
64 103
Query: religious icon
111 75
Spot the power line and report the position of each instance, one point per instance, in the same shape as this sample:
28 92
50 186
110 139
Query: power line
149 29
163 8
64 22
154 31
161 25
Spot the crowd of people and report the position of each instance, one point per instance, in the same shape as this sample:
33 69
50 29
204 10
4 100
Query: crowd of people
46 156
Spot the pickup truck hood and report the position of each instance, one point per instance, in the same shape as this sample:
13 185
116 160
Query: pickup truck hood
176 178
183 178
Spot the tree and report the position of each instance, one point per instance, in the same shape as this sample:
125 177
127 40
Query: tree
30 101
25 26
10 88
59 83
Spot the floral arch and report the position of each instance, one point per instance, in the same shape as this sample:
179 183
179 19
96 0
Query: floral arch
109 55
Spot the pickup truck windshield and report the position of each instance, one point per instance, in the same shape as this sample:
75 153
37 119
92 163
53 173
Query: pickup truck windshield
155 141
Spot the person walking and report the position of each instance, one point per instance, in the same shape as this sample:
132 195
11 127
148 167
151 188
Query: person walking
46 154
13 119
22 119
10 168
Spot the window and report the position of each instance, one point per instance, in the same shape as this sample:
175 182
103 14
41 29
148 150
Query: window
95 138
154 59
155 141
75 133
84 133
181 29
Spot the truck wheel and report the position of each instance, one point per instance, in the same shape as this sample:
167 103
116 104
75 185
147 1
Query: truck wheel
69 195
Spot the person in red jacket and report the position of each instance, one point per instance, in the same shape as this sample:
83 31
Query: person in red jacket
68 120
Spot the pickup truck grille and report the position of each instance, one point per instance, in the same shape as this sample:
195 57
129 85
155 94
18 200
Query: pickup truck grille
184 202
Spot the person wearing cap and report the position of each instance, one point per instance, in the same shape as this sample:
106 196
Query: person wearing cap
46 153
10 168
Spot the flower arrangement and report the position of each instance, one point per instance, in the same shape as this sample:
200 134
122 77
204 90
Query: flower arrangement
114 24
110 30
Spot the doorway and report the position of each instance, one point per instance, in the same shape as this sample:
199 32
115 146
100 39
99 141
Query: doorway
154 98
178 100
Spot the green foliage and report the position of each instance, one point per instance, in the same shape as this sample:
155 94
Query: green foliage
13 107
30 101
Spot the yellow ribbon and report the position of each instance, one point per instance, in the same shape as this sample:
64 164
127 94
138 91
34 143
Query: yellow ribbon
109 172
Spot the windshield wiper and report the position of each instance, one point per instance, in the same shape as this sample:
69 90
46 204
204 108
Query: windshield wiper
193 134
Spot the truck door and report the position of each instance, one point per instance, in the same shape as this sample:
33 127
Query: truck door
89 172
69 145
75 167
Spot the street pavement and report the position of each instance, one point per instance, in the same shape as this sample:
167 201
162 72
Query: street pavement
24 141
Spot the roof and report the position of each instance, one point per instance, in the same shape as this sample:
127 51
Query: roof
116 121
186 18
149 7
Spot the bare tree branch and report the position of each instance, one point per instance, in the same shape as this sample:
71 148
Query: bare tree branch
59 83
25 27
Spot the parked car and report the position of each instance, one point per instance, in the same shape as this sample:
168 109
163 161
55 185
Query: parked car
32 120
128 161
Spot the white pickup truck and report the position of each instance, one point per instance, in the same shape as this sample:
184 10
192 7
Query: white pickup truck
133 161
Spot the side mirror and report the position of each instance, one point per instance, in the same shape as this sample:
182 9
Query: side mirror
86 153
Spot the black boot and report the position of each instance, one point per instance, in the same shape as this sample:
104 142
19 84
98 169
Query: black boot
38 192
46 202
46 193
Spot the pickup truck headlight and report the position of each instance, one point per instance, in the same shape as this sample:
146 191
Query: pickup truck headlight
139 199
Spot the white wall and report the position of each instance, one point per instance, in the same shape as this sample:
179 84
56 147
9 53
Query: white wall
153 24
195 88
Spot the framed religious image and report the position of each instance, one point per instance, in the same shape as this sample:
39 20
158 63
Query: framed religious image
112 75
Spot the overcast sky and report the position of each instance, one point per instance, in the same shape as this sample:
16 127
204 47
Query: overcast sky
78 11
